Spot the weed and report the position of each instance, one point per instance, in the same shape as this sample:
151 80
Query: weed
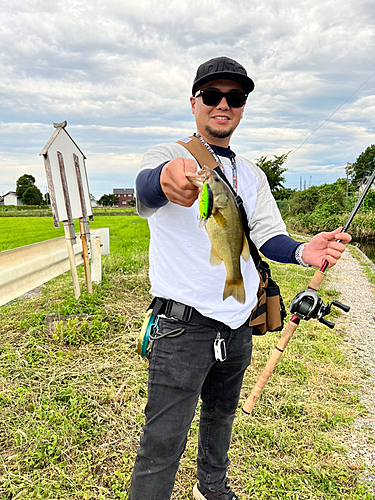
75 331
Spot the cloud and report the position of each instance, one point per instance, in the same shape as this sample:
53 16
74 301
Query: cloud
121 74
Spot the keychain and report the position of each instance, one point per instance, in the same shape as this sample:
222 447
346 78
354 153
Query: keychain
219 348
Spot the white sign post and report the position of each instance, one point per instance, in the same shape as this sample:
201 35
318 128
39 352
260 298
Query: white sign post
69 193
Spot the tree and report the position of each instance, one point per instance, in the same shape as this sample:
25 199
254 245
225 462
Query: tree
363 166
273 170
27 191
283 193
107 200
24 182
32 196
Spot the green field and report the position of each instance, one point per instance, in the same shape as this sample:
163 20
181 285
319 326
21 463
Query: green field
20 231
72 397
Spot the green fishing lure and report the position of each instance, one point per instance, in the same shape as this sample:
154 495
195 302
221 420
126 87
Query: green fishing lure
206 202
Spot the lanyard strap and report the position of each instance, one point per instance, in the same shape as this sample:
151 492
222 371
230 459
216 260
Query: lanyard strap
219 162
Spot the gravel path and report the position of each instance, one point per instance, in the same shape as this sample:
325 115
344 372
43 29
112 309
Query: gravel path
359 325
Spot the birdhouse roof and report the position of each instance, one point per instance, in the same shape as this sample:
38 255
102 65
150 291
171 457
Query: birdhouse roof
60 127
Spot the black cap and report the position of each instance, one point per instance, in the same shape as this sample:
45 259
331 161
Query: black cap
222 68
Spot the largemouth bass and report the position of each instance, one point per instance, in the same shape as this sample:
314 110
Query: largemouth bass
225 231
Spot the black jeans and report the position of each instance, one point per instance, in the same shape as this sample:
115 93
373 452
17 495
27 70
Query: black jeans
180 370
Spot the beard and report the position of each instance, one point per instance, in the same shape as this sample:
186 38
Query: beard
218 134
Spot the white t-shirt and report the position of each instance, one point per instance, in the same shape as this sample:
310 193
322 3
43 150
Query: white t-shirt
179 249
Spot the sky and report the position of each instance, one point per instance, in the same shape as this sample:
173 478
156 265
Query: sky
120 73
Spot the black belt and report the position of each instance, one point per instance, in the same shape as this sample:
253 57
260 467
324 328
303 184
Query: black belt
172 309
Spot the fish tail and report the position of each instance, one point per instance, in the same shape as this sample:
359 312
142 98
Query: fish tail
236 289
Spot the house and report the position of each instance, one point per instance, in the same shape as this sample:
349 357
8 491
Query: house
11 198
124 196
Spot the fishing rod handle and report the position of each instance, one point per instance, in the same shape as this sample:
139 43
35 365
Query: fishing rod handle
317 279
270 366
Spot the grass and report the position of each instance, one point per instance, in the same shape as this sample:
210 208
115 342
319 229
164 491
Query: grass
72 398
361 228
44 211
366 266
16 232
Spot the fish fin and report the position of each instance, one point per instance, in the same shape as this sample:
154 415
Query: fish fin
215 260
221 200
245 254
236 290
219 219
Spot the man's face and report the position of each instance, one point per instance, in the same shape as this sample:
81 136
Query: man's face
216 124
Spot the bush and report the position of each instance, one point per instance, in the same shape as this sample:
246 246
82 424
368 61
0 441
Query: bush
327 199
369 201
8 208
326 207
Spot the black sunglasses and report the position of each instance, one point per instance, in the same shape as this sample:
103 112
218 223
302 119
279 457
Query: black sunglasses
212 97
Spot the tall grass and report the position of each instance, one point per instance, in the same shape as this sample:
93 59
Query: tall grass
362 226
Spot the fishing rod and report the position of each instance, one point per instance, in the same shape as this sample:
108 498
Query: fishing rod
305 305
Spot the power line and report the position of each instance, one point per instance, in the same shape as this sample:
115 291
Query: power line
330 116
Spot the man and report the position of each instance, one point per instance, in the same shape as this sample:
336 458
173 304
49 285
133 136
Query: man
190 310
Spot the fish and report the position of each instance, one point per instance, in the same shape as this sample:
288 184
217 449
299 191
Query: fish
221 218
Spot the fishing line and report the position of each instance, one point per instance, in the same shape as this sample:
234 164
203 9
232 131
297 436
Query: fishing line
330 116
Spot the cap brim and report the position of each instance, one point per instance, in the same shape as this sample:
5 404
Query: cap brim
246 83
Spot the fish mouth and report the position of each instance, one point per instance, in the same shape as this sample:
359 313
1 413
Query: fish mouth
204 175
197 181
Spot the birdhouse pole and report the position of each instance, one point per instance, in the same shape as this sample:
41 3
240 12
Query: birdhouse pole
69 231
83 226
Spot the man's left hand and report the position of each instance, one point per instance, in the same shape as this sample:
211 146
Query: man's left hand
325 247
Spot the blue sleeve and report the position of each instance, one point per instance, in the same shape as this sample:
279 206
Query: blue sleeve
149 191
280 248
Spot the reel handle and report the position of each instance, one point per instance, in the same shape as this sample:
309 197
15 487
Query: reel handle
326 322
340 306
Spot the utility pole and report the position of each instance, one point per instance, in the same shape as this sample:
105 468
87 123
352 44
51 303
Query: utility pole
347 179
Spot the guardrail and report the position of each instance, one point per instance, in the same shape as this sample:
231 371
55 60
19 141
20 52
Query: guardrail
23 269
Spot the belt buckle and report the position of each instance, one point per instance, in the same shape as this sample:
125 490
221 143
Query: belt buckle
178 311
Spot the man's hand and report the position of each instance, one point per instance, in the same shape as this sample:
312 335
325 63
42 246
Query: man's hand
325 247
176 187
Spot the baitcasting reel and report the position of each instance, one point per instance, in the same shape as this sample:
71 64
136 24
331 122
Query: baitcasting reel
307 304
